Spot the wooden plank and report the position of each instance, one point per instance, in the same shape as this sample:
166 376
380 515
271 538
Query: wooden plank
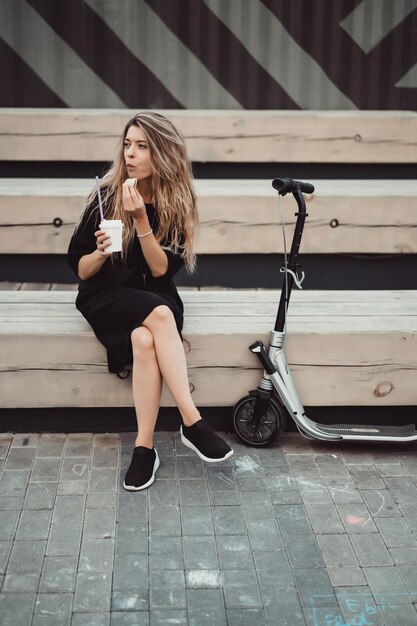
225 136
372 216
361 358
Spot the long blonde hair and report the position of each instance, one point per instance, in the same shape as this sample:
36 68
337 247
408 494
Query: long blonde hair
173 192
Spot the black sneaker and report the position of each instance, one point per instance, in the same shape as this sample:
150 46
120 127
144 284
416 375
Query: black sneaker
142 469
205 442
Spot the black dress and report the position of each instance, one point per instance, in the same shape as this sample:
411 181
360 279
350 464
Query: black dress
122 294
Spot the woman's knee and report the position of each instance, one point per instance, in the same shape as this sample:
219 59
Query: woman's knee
161 314
142 340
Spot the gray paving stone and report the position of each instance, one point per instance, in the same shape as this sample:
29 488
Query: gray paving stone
324 519
366 477
331 465
30 440
402 489
257 505
166 553
303 552
228 520
72 488
96 555
165 520
26 557
75 469
167 469
380 503
13 482
131 573
396 533
131 618
323 615
382 454
79 445
346 576
234 552
167 590
64 540
51 444
21 582
252 484
264 535
409 511
106 440
58 574
241 589
34 525
357 604
221 479
206 608
204 579
386 585
11 503
105 457
371 550
229 498
193 492
103 481
408 576
8 523
20 459
52 609
5 441
16 608
190 467
99 523
355 454
45 470
69 509
200 553
131 600
337 551
293 519
40 496
102 501
391 469
248 465
164 492
394 615
132 506
314 587
132 537
356 518
197 520
92 592
273 568
314 490
404 556
5 547
302 465
93 619
282 606
245 617
273 455
168 617
294 443
284 490
343 490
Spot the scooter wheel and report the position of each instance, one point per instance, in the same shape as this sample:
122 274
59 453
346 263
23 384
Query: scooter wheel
269 427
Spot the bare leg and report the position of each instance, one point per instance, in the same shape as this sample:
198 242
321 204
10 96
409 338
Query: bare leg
146 384
171 360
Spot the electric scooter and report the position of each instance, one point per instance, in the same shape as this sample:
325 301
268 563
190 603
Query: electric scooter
261 416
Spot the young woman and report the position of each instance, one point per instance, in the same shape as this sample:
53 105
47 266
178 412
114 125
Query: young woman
129 298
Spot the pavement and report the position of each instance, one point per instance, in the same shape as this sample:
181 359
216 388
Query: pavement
298 534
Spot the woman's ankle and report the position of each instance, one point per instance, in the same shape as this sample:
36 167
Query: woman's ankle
189 420
145 443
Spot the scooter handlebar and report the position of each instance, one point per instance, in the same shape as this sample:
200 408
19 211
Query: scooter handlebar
288 185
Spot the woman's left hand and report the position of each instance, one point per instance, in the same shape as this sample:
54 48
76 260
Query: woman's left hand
133 202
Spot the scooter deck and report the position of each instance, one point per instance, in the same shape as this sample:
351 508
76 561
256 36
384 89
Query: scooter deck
368 432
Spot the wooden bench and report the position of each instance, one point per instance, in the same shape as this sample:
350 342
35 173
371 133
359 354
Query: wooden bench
237 216
344 348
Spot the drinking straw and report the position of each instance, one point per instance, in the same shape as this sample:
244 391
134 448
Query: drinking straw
99 198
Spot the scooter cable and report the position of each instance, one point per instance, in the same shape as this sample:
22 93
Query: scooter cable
285 279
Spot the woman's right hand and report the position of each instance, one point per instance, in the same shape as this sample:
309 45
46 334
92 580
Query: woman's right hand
103 241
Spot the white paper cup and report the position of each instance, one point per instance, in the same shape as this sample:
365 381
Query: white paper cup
114 230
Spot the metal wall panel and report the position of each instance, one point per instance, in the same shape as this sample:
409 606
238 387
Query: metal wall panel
209 54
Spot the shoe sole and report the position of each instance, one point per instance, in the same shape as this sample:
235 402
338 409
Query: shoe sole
150 481
190 445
